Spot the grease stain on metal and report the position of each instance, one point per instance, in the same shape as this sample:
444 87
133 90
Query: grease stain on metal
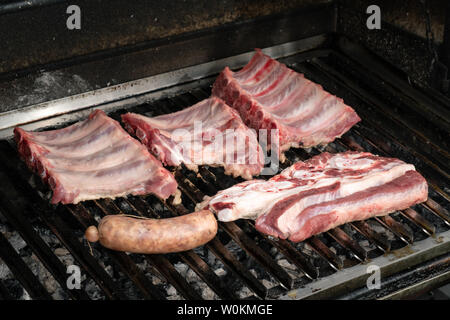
400 253
439 239
292 294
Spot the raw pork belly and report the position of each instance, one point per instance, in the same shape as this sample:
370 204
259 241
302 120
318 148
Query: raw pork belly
207 133
319 194
269 95
91 159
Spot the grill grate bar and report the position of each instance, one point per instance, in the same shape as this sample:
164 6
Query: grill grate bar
16 170
376 238
420 221
257 253
171 274
65 234
199 94
21 271
400 127
411 99
189 257
295 257
160 262
340 237
397 228
347 242
230 261
438 210
322 250
378 120
238 235
291 253
379 143
227 258
126 264
202 269
39 247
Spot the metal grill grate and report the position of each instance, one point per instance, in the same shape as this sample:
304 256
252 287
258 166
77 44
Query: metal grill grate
240 262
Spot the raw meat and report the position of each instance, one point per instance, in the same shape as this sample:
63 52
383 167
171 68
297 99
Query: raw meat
269 95
91 159
321 193
207 133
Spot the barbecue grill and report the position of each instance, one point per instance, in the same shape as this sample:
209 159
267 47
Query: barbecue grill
394 78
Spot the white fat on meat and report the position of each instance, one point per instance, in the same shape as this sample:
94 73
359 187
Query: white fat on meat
304 113
278 203
207 133
91 159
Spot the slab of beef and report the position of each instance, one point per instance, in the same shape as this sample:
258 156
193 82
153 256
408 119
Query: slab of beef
319 194
207 133
269 95
91 159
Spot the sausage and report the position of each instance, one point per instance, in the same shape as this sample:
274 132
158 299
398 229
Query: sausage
125 233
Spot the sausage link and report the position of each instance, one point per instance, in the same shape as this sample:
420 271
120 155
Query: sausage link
125 233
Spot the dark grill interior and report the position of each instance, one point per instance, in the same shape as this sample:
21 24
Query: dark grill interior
240 262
